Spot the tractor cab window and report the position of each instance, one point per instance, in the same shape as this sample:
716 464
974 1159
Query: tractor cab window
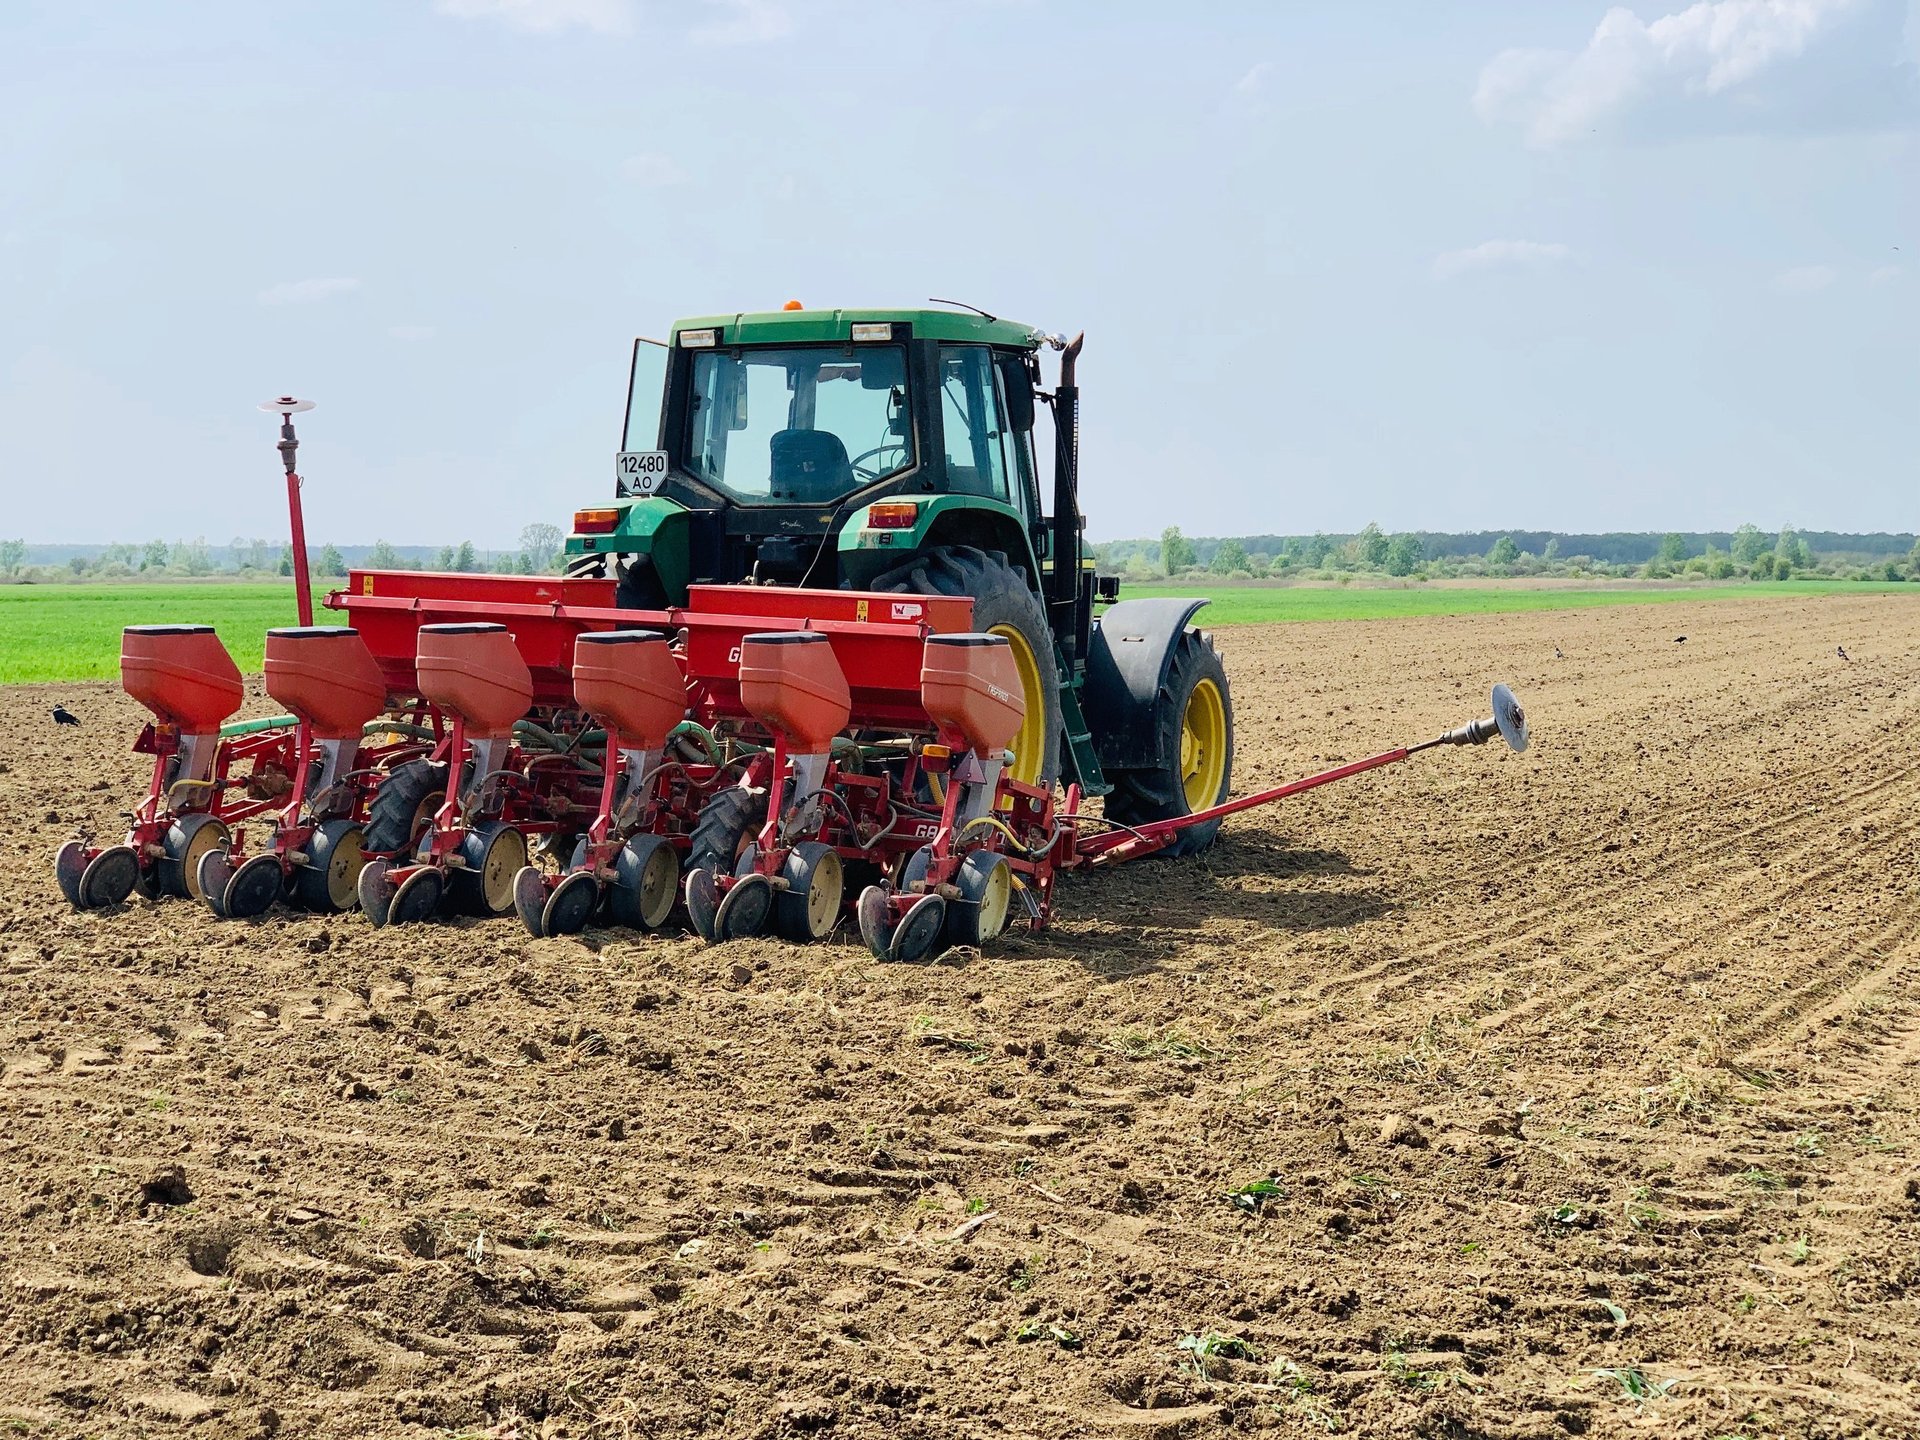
975 424
801 426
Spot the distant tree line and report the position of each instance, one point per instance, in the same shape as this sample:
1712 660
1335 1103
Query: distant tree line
539 553
1744 553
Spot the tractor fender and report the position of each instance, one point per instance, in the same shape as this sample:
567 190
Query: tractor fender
1127 662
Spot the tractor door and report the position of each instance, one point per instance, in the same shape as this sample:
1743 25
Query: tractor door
973 424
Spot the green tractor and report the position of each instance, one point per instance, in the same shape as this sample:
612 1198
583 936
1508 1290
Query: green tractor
892 451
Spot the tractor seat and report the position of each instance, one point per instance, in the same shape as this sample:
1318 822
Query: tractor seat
809 466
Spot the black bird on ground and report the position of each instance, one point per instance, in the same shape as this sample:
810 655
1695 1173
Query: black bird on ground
1679 639
62 717
1556 653
1841 651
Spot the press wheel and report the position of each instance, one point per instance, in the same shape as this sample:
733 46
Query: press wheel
810 905
331 876
646 882
985 882
188 841
494 853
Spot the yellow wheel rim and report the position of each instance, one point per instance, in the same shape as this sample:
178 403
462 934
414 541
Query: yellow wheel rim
1030 745
343 868
823 895
659 885
506 856
211 836
1203 746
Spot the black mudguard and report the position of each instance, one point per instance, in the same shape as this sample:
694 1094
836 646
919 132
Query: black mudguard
1127 664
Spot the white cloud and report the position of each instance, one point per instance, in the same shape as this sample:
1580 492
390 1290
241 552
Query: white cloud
410 332
1247 96
306 292
1885 275
1499 255
1250 83
1727 64
608 17
653 170
744 22
1805 279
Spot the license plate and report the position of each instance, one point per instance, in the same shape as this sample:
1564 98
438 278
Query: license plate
639 472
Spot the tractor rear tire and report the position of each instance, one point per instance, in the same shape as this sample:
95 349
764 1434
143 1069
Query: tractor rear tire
400 805
727 822
1196 737
1002 604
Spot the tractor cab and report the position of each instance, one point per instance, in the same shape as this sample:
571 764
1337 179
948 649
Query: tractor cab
755 446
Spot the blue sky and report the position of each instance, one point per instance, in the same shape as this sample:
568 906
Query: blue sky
1440 266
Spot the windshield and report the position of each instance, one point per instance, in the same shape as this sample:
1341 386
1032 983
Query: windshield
799 426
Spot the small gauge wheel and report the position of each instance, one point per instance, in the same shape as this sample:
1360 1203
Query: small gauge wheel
254 887
109 878
571 905
375 891
921 931
703 902
69 864
744 909
875 913
418 897
530 899
211 876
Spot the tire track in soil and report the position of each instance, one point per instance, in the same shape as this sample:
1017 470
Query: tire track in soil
1461 957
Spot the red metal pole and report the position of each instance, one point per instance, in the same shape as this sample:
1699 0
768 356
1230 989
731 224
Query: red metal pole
288 406
302 586
1118 845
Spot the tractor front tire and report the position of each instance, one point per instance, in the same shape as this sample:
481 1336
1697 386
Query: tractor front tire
1002 605
1193 713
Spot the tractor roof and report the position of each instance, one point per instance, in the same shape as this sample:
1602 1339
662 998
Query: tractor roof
774 327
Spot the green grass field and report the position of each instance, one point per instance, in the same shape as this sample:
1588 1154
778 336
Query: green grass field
72 632
1258 605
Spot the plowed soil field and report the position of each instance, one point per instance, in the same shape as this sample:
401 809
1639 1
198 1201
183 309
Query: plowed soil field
1571 1093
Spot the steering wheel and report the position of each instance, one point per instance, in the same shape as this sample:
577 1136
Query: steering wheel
865 472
